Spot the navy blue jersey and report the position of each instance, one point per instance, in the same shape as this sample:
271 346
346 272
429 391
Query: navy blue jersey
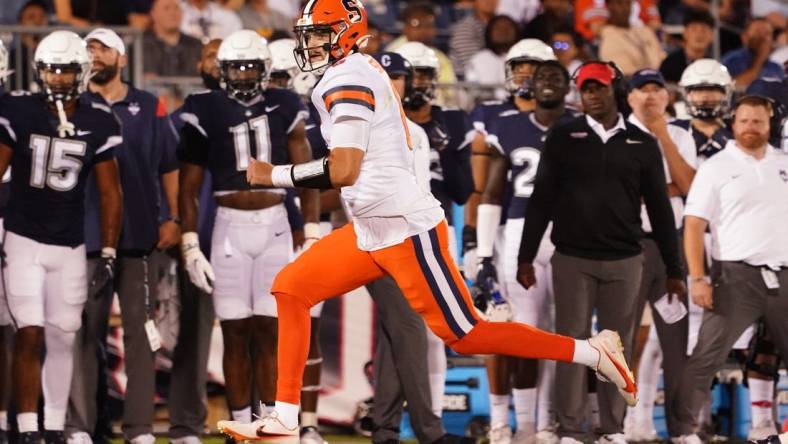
148 151
221 134
706 146
484 113
47 202
520 138
450 133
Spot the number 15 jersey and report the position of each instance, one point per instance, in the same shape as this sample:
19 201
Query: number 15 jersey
47 202
386 202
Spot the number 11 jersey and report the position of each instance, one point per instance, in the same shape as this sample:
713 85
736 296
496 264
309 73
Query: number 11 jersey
222 134
47 202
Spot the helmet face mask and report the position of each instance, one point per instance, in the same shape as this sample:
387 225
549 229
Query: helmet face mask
519 76
707 102
243 79
316 47
420 88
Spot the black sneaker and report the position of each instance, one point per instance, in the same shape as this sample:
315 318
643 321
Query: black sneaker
29 438
54 437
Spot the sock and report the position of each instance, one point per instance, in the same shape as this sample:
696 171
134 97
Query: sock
585 354
266 407
4 420
308 419
243 415
27 422
56 375
287 414
761 400
436 366
54 419
544 405
648 379
499 409
525 410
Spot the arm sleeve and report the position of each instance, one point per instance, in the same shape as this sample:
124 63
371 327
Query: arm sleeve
660 213
540 206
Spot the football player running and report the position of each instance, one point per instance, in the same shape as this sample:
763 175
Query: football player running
398 228
52 140
284 71
518 137
224 131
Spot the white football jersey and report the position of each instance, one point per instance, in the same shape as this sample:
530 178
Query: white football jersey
387 203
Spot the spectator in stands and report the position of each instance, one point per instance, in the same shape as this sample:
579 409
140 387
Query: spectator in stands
591 16
631 47
169 52
33 13
521 11
257 15
568 48
555 14
486 67
207 20
468 35
419 26
697 38
751 61
84 13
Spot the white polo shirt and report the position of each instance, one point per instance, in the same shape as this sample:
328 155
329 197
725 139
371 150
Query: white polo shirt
686 146
745 201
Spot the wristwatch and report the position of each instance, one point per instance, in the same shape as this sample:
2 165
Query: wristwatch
175 219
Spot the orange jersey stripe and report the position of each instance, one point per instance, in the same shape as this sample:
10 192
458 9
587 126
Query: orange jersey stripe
358 95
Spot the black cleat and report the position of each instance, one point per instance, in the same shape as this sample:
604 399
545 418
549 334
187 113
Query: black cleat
455 439
774 439
29 438
54 437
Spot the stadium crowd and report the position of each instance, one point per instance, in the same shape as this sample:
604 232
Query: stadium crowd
621 164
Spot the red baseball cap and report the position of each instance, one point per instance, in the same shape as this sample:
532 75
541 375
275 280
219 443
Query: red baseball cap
599 71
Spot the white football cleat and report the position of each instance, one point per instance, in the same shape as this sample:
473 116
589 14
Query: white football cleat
546 437
687 439
612 365
762 430
269 428
310 435
500 434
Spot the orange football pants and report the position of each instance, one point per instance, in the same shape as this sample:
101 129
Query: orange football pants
425 272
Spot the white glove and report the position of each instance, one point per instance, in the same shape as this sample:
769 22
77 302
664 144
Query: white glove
470 264
311 235
200 270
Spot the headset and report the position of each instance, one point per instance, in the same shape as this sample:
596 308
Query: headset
619 85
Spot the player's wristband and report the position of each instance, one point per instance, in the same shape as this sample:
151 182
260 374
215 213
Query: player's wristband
109 252
311 230
488 217
282 176
189 240
313 174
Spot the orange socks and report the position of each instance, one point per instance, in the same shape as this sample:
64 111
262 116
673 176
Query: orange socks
294 326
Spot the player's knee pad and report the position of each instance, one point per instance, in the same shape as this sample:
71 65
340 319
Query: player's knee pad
58 340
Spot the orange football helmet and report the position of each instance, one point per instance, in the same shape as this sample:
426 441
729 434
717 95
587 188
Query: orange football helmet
338 28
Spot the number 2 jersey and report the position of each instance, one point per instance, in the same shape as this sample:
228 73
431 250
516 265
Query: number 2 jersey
222 134
520 138
386 202
47 202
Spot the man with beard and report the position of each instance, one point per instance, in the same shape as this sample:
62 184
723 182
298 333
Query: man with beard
53 141
741 191
147 163
593 174
519 138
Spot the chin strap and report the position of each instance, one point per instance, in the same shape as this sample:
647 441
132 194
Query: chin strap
66 128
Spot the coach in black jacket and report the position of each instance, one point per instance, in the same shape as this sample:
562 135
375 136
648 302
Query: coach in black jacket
593 173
